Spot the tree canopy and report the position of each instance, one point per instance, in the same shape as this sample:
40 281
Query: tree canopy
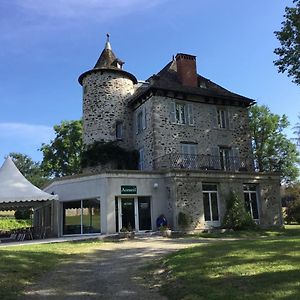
62 156
289 38
297 132
29 168
272 150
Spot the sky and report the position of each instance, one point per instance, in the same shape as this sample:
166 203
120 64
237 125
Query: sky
46 45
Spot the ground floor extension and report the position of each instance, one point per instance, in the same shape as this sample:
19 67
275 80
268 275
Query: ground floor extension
112 201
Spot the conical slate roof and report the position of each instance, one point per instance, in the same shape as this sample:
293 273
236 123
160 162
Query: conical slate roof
108 62
14 187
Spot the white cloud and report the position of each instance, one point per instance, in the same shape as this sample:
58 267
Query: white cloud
23 138
32 133
74 9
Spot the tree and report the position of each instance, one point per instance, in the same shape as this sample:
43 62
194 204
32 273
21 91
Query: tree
29 168
272 150
297 132
63 155
236 217
289 38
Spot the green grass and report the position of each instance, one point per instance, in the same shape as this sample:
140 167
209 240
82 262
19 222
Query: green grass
22 265
246 269
7 223
288 230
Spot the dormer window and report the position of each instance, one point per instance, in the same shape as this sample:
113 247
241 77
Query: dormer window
203 85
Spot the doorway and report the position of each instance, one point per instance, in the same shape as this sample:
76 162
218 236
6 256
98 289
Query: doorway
133 213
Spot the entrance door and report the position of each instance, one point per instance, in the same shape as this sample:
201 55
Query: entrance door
144 211
127 213
134 213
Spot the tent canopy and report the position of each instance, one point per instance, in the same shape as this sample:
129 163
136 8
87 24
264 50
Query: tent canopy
16 190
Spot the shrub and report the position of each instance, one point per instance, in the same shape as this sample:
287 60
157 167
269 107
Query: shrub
183 220
293 211
236 216
22 214
102 153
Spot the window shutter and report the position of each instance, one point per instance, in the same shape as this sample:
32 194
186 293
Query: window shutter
213 113
229 120
215 160
172 112
144 118
190 114
136 121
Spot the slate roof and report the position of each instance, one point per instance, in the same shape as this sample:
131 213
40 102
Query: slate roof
107 61
167 79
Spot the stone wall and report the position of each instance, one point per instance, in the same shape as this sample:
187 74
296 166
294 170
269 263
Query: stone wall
167 136
105 95
187 195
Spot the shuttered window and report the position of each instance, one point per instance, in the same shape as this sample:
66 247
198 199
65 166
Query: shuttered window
181 113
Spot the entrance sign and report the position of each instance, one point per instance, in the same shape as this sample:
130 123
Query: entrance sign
128 189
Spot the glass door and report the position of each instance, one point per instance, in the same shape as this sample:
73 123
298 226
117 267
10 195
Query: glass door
128 213
144 211
133 213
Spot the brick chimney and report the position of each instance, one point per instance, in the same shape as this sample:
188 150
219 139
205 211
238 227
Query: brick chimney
186 69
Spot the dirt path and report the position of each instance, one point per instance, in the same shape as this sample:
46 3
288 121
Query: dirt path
109 273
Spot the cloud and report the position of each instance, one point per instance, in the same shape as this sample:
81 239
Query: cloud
30 132
24 138
76 9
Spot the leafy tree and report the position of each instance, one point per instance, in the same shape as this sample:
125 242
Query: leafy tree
292 203
236 216
289 38
297 132
63 155
30 169
273 151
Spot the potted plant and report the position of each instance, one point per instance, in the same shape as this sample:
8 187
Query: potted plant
165 231
126 233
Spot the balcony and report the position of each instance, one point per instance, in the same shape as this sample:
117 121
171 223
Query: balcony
201 162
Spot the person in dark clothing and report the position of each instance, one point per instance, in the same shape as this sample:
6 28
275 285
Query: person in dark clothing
161 221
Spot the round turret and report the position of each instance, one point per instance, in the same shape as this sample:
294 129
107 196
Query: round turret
106 88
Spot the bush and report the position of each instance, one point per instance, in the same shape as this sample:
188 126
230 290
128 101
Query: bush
293 211
22 214
102 153
236 216
183 220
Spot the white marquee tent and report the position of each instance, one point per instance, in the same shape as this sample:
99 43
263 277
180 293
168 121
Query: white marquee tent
16 191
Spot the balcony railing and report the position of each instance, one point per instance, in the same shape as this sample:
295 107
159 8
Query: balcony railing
201 162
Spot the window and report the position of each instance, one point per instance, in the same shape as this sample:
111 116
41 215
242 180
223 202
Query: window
119 130
141 120
250 197
221 115
141 159
181 113
188 157
210 204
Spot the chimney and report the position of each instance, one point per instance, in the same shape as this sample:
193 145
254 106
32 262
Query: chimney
186 69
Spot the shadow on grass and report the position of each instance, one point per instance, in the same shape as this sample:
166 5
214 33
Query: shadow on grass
256 269
20 268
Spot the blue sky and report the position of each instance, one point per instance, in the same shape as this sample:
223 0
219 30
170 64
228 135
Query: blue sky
46 45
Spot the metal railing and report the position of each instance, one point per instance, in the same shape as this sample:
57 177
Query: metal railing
201 162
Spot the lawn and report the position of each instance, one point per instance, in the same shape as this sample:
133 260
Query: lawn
9 223
258 268
22 265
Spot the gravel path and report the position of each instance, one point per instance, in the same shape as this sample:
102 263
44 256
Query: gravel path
109 273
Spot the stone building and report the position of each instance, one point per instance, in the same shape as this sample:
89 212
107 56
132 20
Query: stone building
194 147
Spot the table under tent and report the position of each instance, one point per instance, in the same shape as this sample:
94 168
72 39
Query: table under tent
16 192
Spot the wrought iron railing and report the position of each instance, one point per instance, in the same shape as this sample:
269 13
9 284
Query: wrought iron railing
201 162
